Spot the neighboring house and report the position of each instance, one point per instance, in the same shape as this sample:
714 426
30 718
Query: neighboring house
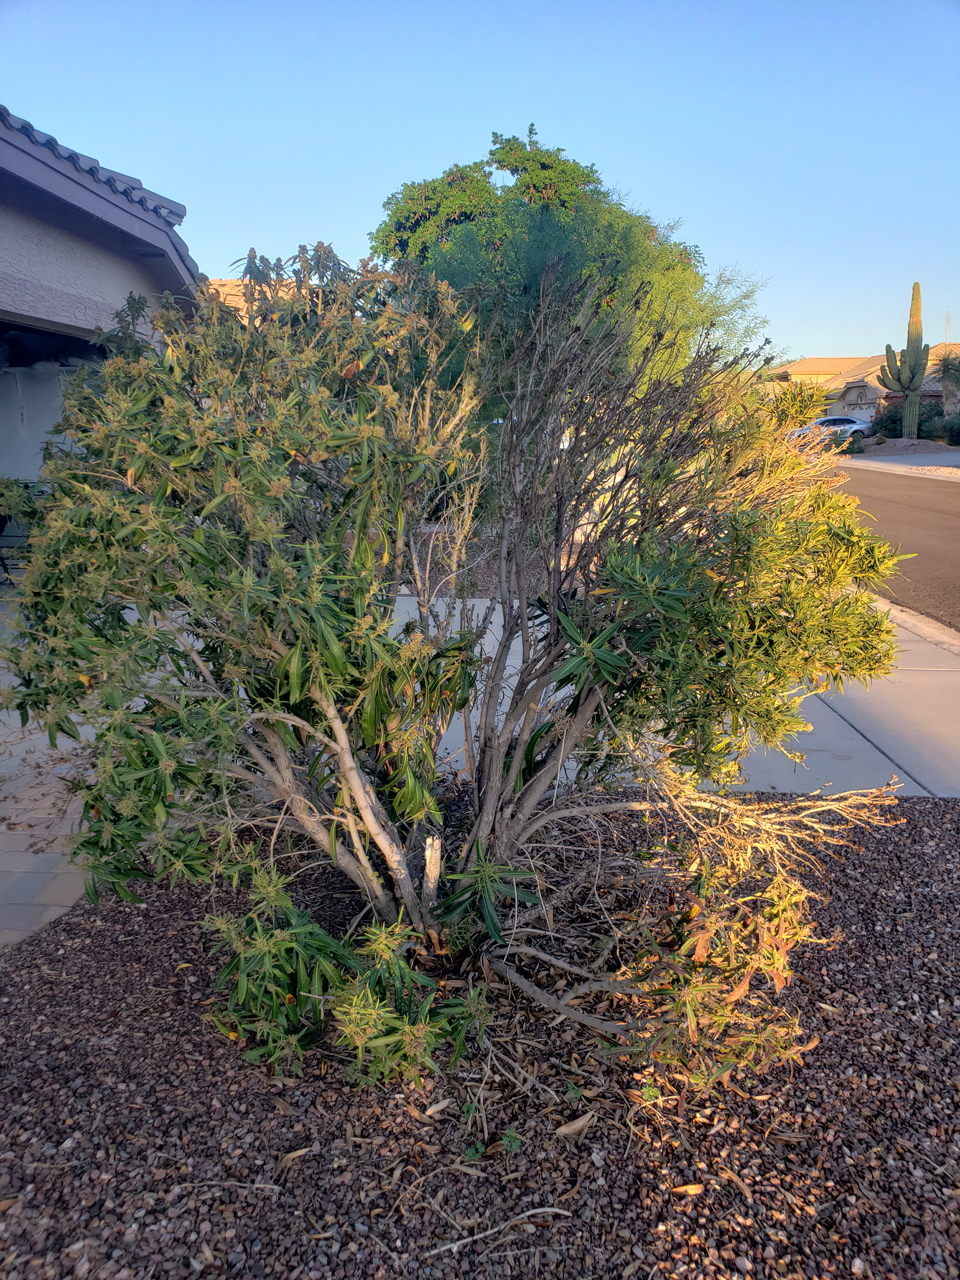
230 292
834 375
75 240
862 394
852 383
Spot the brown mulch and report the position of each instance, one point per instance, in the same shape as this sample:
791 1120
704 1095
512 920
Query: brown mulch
136 1142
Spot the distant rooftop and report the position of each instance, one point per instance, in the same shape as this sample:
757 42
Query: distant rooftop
821 364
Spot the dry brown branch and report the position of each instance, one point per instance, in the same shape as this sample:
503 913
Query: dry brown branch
546 1211
605 1027
512 949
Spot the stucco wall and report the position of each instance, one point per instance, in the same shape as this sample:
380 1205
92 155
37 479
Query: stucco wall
30 404
52 278
858 402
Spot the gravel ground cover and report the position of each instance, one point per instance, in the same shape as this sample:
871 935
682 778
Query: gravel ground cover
135 1142
898 447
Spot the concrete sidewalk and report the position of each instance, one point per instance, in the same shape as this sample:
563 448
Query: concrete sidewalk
37 812
907 726
938 466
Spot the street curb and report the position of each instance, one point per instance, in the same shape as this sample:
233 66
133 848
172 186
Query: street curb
899 468
923 628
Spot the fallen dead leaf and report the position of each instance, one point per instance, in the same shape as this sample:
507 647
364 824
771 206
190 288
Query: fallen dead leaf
784 1136
286 1162
8 1204
438 1107
729 1176
688 1189
575 1127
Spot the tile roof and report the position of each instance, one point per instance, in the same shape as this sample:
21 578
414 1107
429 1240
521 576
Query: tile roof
941 349
230 291
122 184
813 365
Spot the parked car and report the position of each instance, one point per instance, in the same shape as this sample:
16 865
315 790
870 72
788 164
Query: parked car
846 428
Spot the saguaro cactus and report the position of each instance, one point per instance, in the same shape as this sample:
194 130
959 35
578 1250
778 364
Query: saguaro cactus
907 374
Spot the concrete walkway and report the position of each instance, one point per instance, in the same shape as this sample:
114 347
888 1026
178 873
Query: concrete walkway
37 812
908 726
937 465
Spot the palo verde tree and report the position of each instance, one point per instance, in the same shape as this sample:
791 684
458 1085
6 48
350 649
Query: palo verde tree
256 586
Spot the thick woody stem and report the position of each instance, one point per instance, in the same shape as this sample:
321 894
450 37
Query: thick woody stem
370 811
280 773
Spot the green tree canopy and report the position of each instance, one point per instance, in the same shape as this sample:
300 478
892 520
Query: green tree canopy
557 217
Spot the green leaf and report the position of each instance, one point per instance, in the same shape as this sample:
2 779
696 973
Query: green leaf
212 505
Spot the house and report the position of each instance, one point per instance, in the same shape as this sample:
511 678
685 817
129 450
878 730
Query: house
75 240
853 384
841 377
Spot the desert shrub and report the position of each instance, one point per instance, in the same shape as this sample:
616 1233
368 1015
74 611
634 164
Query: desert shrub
889 420
951 429
841 443
252 587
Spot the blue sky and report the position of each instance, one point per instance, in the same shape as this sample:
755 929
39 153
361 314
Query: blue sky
812 145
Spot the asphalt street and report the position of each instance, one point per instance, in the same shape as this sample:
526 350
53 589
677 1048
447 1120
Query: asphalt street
920 515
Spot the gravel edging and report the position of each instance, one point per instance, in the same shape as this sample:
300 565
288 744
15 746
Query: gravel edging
134 1141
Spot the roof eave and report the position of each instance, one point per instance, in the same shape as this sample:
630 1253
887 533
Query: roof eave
41 168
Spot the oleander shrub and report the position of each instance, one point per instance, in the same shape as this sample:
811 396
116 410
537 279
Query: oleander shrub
254 588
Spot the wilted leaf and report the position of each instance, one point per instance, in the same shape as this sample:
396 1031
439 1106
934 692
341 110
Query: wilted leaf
741 989
422 1116
438 1107
688 1189
786 1136
729 1176
286 1162
575 1127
